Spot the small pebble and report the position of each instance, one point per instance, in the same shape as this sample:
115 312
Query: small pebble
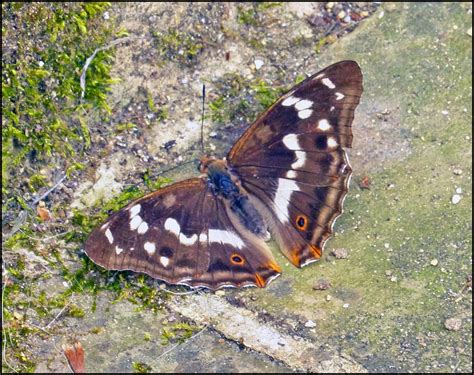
457 172
456 199
469 31
346 305
364 14
258 63
434 262
459 190
328 297
322 284
329 5
393 279
106 15
310 324
339 253
388 272
41 64
453 324
341 15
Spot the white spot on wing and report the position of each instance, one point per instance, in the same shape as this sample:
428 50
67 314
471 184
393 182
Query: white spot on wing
339 96
290 101
203 238
135 222
135 210
282 198
118 250
225 237
305 113
332 142
171 225
300 160
291 142
188 241
165 261
291 174
303 104
105 226
324 125
109 236
327 82
142 228
149 248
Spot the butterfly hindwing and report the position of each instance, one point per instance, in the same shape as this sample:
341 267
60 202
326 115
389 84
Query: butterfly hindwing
292 159
181 234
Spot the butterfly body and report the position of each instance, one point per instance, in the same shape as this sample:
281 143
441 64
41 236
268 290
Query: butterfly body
287 174
226 185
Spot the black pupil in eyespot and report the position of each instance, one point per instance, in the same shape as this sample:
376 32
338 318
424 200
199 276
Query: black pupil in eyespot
301 222
236 259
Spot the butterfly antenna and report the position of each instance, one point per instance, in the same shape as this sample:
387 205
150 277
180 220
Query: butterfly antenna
202 118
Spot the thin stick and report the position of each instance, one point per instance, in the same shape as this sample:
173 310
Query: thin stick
91 57
202 118
176 345
5 334
32 204
57 316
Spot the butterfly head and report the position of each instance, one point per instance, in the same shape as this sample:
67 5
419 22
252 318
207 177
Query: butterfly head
209 164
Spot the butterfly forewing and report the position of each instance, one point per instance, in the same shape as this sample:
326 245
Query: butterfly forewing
292 159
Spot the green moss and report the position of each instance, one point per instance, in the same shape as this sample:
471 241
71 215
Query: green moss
36 181
249 14
142 368
45 47
120 128
75 311
178 46
178 332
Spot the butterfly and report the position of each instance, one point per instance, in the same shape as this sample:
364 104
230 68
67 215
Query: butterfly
288 174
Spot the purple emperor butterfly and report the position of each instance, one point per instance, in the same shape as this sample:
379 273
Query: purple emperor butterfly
287 174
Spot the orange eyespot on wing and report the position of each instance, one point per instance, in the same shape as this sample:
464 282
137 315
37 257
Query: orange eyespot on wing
236 259
301 222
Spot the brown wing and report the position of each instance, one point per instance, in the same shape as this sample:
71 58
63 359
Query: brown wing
181 234
292 159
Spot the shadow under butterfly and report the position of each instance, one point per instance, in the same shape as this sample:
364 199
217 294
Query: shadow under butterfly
287 174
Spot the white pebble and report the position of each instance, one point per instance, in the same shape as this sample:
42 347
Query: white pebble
346 305
106 15
258 63
434 262
310 324
459 190
456 199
